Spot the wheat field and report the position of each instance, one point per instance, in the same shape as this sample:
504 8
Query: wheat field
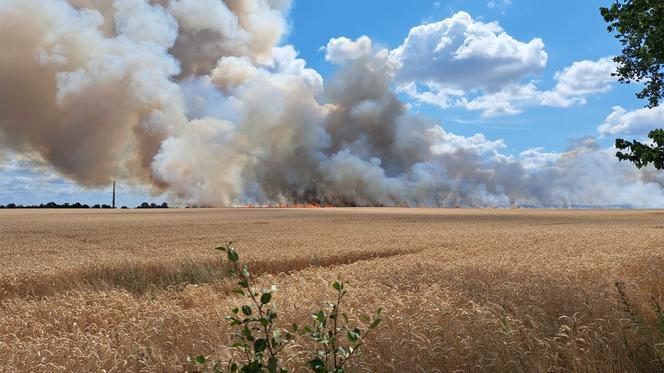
463 290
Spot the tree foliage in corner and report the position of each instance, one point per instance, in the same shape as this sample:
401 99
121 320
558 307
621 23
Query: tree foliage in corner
643 154
639 25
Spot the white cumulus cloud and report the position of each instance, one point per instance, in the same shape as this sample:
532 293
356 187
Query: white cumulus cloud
637 122
463 62
505 102
462 53
574 84
579 80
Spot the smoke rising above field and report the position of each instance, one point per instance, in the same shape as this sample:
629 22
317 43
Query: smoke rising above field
198 99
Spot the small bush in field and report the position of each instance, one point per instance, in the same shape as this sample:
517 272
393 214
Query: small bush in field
260 341
337 342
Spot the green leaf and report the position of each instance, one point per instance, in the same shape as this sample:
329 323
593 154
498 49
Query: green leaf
244 283
337 286
265 298
253 367
317 365
220 248
354 335
234 322
246 332
232 255
272 364
200 360
238 291
260 345
246 310
320 317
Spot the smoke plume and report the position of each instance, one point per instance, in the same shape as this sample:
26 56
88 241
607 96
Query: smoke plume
199 99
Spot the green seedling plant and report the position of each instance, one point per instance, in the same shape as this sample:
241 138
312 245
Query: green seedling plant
260 342
257 338
337 342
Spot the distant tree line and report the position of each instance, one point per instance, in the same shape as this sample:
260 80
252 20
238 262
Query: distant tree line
78 205
146 205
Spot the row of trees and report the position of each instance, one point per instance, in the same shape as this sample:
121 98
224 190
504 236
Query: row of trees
146 205
78 205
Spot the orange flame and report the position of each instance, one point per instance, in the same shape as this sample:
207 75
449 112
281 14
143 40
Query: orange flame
289 206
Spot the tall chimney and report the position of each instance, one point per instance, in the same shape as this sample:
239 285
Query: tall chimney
113 205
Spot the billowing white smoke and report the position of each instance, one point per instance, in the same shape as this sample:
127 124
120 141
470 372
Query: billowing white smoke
93 106
197 98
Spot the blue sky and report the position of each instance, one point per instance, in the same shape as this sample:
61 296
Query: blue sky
556 92
571 31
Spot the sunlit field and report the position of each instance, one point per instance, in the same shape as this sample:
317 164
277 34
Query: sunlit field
462 290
